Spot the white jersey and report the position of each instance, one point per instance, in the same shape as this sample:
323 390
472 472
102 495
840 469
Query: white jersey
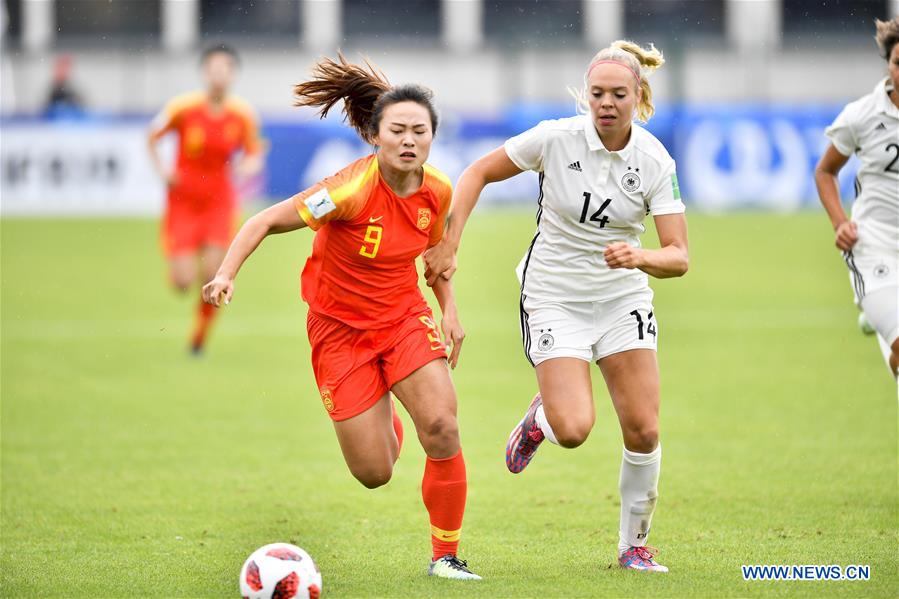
869 127
589 198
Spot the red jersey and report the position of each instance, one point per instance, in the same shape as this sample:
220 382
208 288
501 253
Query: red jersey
207 139
362 268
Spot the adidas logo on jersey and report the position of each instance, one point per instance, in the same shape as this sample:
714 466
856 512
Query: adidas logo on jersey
880 126
575 166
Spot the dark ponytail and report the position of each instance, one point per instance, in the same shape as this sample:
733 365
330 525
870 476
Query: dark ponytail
365 92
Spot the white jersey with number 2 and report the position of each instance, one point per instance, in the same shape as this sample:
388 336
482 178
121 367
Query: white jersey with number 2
869 127
589 197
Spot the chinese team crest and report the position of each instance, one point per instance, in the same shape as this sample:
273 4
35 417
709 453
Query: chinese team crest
424 218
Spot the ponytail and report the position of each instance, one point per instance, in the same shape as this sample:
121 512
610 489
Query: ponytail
649 60
365 92
358 87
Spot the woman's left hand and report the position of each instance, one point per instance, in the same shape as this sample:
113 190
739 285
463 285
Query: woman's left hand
453 334
623 255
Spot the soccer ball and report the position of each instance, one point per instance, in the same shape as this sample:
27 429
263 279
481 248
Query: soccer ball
280 571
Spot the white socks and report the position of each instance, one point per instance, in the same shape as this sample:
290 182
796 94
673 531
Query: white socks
639 493
638 484
543 423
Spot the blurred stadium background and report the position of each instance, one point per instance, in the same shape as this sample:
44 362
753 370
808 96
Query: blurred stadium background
129 469
743 100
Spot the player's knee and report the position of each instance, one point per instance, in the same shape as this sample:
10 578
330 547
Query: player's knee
572 432
440 435
373 477
642 439
182 282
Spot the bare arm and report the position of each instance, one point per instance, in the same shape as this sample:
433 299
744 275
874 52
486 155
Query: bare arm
670 260
164 172
279 218
453 333
493 167
829 192
254 148
446 297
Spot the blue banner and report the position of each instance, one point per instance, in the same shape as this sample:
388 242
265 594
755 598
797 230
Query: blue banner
758 157
728 157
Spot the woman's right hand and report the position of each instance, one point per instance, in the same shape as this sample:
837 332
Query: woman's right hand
218 291
440 261
846 235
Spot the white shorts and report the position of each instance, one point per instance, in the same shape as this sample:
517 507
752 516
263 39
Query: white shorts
881 308
874 276
871 269
588 331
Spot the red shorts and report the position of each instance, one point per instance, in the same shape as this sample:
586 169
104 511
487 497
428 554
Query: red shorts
190 223
354 368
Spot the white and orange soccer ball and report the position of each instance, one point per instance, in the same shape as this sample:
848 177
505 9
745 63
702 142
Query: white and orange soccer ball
280 571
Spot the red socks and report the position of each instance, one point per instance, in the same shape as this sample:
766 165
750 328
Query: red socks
205 316
443 490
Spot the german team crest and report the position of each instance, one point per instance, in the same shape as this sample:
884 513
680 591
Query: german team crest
424 218
326 399
630 181
545 342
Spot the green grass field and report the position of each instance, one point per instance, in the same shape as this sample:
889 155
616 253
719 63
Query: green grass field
130 469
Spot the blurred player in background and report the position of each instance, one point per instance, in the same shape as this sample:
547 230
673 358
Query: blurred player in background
63 100
201 213
585 295
869 128
370 328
